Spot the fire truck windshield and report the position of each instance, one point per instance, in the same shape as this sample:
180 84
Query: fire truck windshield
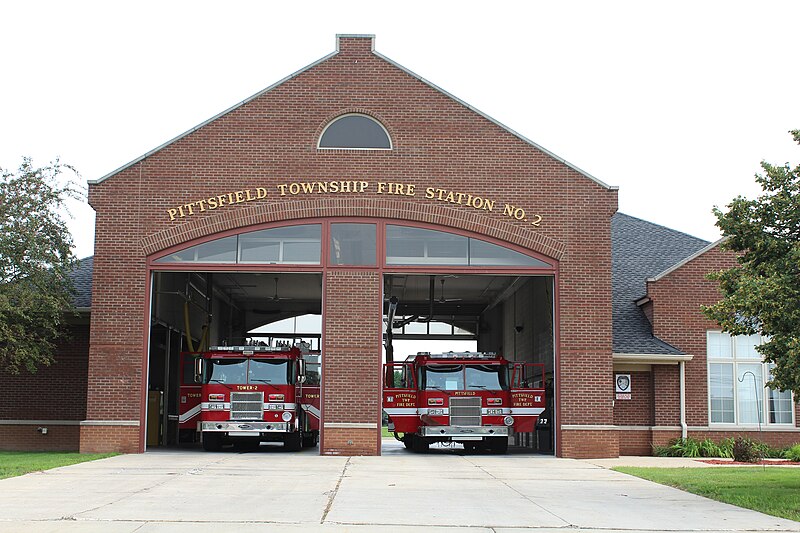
274 371
240 371
454 377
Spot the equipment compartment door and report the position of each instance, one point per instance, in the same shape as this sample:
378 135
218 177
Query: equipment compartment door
400 396
527 395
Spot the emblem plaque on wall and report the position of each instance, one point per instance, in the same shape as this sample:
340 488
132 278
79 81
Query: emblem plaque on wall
622 382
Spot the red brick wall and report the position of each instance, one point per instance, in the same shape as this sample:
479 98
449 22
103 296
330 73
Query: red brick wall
101 439
351 388
350 441
667 400
676 300
636 442
272 139
638 411
59 438
590 444
54 393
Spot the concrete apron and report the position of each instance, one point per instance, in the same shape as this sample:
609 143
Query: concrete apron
292 492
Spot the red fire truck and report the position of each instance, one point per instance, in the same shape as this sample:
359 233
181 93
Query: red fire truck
475 399
245 395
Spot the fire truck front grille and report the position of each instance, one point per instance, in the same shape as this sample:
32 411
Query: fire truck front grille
247 405
465 411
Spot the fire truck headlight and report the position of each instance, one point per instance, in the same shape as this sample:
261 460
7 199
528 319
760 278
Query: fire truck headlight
509 420
436 412
216 406
286 416
494 411
276 407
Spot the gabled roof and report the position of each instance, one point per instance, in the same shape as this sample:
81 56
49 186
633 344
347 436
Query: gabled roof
641 250
315 63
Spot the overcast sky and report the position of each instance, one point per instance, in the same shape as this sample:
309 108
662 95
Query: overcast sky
674 102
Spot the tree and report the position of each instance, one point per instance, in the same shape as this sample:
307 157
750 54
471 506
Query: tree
35 262
761 295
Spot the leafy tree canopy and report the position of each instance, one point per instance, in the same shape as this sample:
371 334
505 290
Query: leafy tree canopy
762 293
35 262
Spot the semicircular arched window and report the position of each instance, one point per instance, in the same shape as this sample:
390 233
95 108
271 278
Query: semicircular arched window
355 132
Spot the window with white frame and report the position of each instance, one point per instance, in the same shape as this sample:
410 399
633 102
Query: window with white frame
737 378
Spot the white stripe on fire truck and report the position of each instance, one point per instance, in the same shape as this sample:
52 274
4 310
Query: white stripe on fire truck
313 411
401 410
527 410
188 415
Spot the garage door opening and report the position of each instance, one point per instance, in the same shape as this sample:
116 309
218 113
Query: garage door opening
273 314
474 315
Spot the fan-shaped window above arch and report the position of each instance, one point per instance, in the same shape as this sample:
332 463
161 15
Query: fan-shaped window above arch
284 245
354 132
407 245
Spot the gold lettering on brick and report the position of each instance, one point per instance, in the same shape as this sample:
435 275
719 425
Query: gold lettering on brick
354 187
215 202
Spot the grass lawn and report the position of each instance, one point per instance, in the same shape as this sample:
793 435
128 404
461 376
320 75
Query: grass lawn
772 490
18 463
385 432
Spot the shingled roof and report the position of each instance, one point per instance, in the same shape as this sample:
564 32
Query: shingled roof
82 279
641 250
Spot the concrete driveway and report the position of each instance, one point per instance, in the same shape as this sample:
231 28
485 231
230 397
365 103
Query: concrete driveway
271 490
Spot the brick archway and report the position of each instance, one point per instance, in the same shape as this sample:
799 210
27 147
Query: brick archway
264 213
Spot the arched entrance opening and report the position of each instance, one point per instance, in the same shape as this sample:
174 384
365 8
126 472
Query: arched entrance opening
451 286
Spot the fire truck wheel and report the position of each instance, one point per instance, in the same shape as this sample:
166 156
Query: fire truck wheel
310 439
212 442
407 439
498 445
420 444
292 442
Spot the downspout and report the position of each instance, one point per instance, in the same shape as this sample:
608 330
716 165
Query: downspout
684 428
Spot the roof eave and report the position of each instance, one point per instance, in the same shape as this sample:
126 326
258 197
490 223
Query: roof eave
215 117
682 262
498 123
651 359
377 54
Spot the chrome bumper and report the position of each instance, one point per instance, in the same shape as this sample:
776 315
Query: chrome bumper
464 431
260 427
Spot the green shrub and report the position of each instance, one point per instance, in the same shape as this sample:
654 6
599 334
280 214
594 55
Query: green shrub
709 449
768 451
688 447
662 451
726 448
793 452
746 451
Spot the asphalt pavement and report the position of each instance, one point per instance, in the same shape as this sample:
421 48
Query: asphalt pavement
442 491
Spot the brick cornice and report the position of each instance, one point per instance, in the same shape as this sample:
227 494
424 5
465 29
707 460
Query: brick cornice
270 212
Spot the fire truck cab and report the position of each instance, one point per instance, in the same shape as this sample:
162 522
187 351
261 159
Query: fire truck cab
245 395
476 399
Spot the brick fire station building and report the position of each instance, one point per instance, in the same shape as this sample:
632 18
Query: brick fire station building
354 180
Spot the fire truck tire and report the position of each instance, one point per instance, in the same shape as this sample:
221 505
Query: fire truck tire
212 442
310 439
419 444
292 442
498 445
